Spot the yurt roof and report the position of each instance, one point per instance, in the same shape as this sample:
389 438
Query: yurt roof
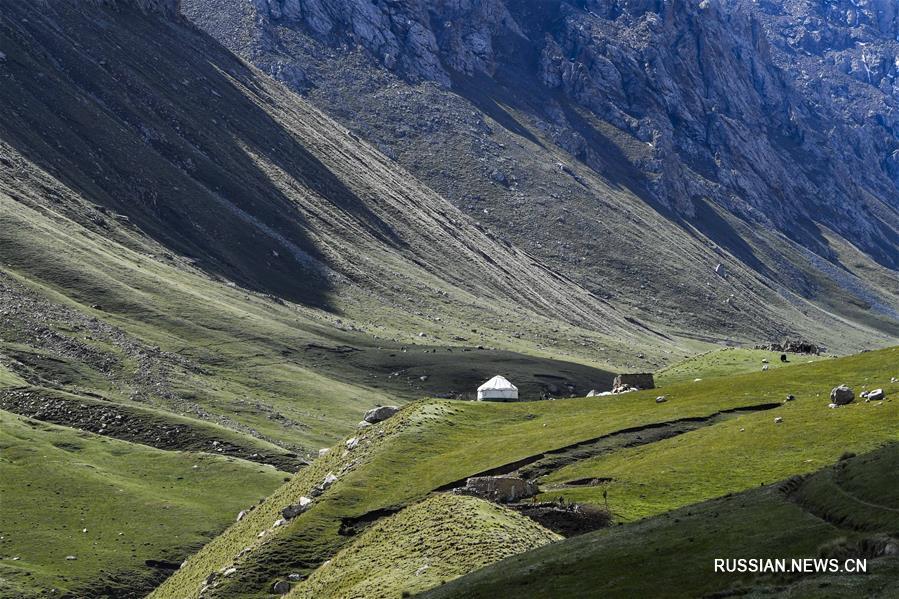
497 382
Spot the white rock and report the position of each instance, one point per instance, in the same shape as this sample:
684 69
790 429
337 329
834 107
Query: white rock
323 451
330 479
778 420
352 443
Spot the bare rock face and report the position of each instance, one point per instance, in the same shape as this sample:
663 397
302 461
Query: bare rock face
418 39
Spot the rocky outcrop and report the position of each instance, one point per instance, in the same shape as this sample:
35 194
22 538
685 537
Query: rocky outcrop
379 414
420 40
500 489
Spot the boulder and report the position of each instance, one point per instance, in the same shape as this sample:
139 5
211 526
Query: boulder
380 414
501 489
875 395
842 395
282 587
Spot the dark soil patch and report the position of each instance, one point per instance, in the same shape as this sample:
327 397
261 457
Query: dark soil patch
568 520
354 525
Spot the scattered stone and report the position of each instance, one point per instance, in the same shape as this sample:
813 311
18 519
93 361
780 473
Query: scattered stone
70 557
330 479
229 571
241 515
380 414
593 393
765 368
352 443
294 577
323 451
778 420
294 510
842 395
282 587
661 399
791 397
279 522
363 424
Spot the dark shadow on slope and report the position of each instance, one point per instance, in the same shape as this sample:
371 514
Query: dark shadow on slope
147 118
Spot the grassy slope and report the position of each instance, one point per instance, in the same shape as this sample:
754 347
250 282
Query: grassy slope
137 503
672 555
431 444
145 425
723 459
9 378
725 362
436 540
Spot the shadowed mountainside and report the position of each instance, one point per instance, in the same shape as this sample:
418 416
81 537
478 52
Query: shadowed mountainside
562 127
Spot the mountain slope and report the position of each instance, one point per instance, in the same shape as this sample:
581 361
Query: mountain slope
178 229
564 122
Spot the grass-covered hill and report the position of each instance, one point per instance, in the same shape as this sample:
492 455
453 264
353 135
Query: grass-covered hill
432 445
92 516
847 510
424 545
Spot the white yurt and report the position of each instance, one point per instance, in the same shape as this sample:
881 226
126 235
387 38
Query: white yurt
497 389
